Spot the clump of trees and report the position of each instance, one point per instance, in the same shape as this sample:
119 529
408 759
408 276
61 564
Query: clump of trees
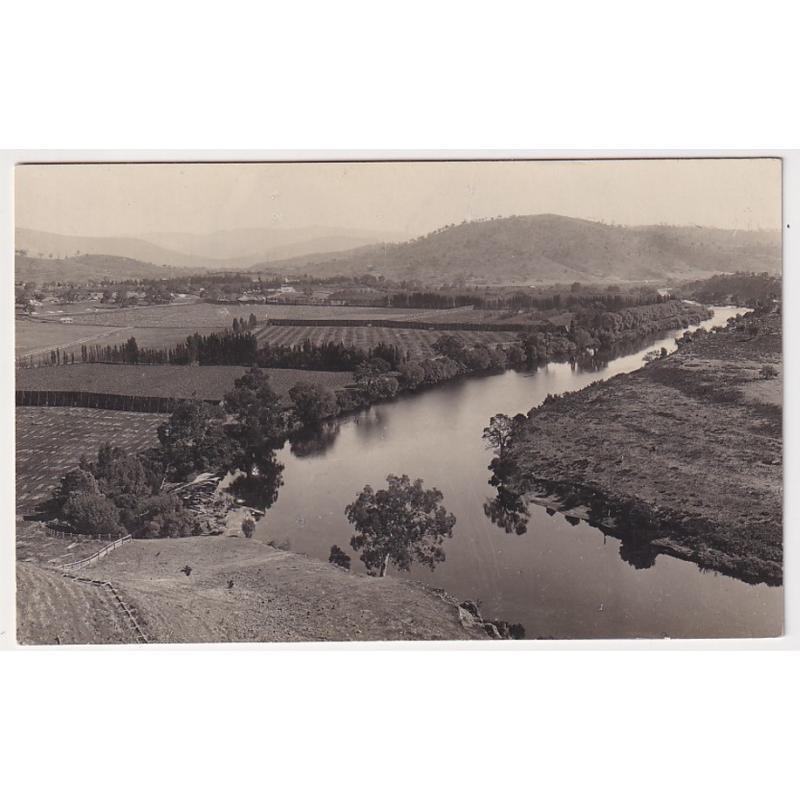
401 524
120 492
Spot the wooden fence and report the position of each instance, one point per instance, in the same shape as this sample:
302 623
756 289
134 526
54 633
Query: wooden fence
126 609
95 557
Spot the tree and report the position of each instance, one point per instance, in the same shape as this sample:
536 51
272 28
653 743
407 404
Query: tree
248 527
131 351
76 482
165 515
193 440
379 387
258 421
400 524
313 402
499 432
93 515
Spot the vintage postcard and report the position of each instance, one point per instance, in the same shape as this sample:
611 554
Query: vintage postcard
398 400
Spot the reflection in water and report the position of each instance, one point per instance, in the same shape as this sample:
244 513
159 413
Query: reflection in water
259 490
556 577
314 442
508 511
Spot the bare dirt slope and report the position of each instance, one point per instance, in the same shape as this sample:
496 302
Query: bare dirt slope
275 596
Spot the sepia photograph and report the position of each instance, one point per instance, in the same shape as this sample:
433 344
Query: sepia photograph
398 400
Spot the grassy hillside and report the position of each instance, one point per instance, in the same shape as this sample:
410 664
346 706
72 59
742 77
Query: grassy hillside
682 456
86 267
239 590
550 248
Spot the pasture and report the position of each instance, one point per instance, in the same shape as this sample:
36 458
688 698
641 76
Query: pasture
50 442
201 383
415 343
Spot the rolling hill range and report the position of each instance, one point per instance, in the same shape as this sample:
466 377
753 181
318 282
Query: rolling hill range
87 268
550 248
219 250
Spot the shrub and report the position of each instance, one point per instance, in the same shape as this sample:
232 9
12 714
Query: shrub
767 372
93 515
248 527
339 558
165 515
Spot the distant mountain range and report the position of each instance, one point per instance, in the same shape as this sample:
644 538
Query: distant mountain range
235 249
544 248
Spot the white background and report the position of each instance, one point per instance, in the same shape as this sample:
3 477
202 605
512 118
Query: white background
509 77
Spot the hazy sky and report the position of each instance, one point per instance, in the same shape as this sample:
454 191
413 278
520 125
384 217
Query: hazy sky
407 198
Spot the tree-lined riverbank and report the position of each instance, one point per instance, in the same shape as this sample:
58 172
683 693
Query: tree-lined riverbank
682 456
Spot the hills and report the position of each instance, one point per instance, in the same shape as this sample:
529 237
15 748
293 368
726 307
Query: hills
524 250
551 248
87 268
218 250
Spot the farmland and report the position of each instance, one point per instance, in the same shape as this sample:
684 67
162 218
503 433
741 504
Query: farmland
417 343
202 383
50 442
52 609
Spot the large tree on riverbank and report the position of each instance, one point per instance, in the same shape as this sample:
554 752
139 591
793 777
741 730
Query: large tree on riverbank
257 429
399 525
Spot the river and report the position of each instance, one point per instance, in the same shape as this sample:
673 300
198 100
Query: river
562 578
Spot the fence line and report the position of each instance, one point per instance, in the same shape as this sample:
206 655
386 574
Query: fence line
109 402
101 553
140 634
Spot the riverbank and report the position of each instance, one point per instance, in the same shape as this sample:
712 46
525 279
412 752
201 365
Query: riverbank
683 456
238 590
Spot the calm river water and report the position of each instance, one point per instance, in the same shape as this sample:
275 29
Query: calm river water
560 580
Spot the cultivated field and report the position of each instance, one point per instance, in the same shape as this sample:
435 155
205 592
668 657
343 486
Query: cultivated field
50 441
417 343
53 609
202 383
198 316
39 338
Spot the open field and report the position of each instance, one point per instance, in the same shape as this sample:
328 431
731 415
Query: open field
418 343
50 441
687 451
198 316
39 338
202 383
276 596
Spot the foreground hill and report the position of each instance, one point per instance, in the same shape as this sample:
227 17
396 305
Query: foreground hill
238 591
550 248
683 456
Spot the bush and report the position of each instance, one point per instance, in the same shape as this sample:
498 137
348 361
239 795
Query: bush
339 558
767 372
165 515
248 527
93 515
